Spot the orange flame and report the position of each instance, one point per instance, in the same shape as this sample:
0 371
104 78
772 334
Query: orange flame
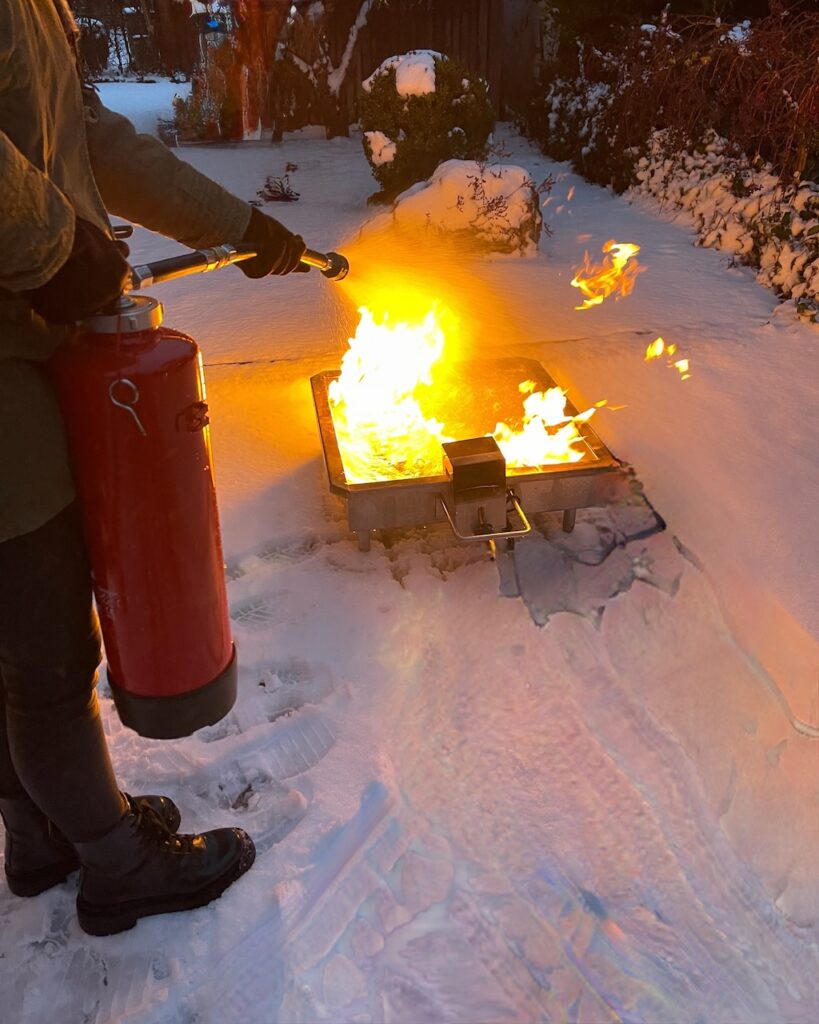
616 274
659 348
380 426
381 430
547 435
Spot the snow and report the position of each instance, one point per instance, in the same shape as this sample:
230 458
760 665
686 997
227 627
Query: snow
593 799
740 32
414 72
382 148
143 103
496 203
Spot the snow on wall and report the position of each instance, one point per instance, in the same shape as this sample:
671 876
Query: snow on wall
743 210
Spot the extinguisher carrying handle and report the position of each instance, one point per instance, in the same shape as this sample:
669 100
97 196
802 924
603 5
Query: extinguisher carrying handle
333 265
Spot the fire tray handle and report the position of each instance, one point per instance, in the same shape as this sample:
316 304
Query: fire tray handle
496 534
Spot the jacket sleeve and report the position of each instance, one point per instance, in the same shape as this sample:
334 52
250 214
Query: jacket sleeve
37 222
141 180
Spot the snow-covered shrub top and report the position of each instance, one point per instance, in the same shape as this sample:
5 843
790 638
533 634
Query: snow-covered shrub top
414 72
743 209
496 205
419 109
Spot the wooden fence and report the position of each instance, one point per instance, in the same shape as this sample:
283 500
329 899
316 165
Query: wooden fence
496 39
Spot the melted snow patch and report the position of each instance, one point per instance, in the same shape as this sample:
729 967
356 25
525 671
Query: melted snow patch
414 72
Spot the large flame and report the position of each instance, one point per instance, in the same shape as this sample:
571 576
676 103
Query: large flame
382 431
616 275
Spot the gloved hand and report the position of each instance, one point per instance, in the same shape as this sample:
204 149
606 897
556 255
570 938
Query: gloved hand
92 277
278 249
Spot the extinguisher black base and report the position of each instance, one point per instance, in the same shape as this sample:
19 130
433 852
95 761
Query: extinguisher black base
170 718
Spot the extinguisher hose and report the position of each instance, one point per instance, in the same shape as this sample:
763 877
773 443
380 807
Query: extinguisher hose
333 265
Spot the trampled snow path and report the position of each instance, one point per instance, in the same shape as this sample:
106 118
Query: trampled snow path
581 803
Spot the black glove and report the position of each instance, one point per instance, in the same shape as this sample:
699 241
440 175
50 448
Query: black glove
278 250
92 277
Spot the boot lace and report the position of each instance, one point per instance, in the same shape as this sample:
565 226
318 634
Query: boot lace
155 833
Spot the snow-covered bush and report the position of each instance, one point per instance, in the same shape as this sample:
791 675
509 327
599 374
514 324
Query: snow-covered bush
741 208
212 111
569 123
756 83
493 207
419 109
727 114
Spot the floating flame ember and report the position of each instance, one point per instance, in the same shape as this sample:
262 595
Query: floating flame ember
382 431
616 275
658 348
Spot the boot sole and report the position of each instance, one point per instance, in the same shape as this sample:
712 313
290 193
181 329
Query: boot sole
111 920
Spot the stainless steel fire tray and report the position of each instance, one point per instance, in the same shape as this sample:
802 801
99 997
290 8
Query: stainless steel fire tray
472 397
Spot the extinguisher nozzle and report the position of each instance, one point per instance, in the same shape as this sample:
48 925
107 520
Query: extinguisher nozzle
333 265
338 267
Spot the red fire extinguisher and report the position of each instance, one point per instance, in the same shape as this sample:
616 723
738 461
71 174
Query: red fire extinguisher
132 394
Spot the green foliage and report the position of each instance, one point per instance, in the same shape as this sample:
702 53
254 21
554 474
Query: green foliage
453 122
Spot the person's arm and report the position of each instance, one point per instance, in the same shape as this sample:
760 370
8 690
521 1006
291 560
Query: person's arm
37 225
141 180
37 219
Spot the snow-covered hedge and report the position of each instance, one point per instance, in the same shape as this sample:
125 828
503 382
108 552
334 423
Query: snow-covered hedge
741 209
570 121
418 110
640 110
493 207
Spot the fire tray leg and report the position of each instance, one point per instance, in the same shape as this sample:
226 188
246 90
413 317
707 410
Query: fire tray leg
569 516
363 537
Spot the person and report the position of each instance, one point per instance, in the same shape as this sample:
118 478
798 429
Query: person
64 161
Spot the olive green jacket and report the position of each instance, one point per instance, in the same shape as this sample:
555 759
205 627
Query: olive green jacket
63 154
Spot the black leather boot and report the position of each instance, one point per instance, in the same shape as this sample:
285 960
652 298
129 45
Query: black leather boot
140 868
38 856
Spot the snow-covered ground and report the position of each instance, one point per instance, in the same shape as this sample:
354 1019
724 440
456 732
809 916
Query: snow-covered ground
595 798
144 102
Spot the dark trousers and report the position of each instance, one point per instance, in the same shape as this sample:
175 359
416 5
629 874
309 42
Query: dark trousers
52 746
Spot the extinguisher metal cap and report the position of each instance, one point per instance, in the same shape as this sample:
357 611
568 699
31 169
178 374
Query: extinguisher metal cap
131 314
